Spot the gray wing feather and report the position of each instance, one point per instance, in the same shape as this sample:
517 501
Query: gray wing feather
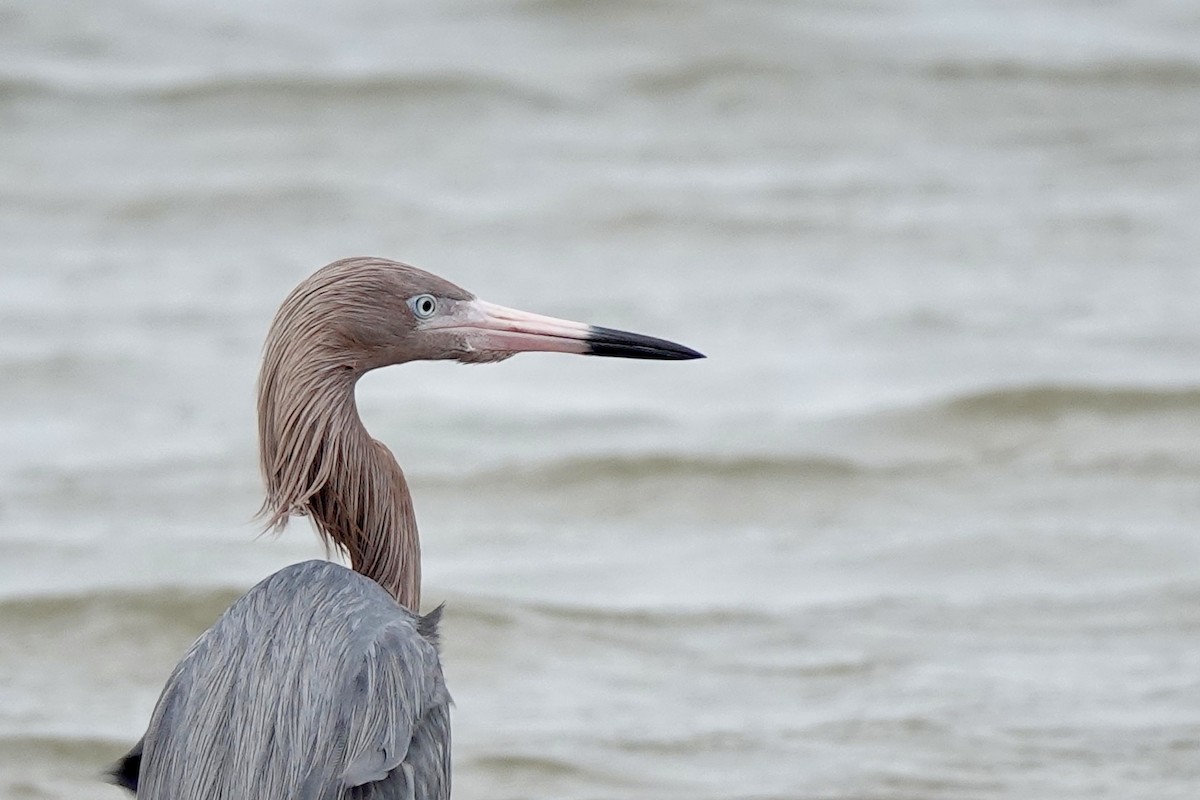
426 771
315 685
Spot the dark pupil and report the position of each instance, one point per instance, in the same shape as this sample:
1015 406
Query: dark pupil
426 305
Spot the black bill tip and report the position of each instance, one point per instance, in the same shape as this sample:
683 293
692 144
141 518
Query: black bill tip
622 344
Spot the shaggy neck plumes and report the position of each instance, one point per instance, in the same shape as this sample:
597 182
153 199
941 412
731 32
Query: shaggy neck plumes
318 460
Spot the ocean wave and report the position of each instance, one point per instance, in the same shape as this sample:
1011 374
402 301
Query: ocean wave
160 609
259 200
608 9
539 766
482 608
1173 73
583 470
691 76
1000 424
79 750
1069 428
1048 400
345 87
139 613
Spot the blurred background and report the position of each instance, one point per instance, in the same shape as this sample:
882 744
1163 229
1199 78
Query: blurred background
922 526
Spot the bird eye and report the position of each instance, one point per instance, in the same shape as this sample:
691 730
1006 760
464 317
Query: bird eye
423 305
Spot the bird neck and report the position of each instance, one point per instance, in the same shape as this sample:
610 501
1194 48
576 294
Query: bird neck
364 507
319 460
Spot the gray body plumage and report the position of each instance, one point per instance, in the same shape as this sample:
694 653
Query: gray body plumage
315 685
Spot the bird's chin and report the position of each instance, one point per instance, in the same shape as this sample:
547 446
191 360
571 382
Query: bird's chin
483 356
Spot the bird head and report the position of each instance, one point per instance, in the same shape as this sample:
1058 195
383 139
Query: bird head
371 312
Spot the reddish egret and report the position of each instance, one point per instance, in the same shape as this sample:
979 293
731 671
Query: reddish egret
323 682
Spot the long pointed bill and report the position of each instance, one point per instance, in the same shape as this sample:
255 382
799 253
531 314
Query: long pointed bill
489 328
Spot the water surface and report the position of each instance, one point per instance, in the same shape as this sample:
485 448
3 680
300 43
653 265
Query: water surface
923 524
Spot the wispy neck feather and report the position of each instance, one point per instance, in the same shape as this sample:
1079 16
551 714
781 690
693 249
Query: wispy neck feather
318 460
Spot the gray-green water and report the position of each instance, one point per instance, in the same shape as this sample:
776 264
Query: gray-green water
922 526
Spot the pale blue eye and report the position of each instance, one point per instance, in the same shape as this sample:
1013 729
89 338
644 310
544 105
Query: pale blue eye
423 306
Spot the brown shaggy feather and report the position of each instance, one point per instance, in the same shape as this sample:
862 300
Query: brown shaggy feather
317 459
